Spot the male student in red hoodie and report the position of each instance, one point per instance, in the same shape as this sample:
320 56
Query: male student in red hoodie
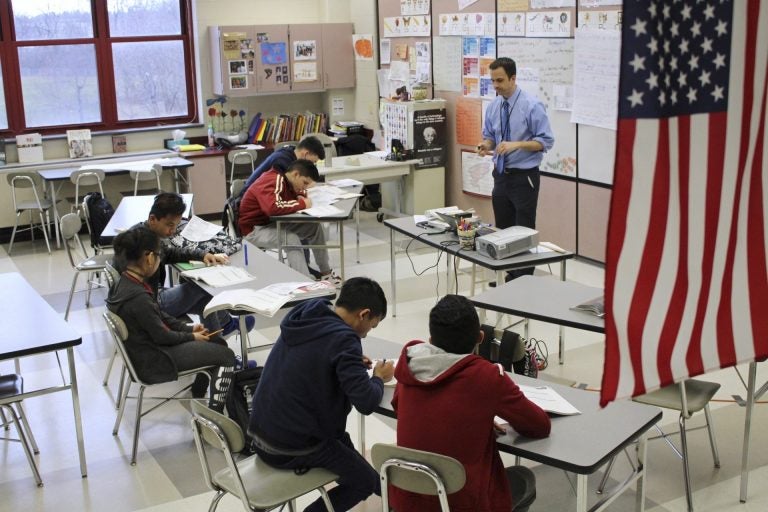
279 192
443 383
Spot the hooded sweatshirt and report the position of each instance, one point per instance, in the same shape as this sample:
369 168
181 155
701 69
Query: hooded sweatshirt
149 329
311 380
445 403
271 195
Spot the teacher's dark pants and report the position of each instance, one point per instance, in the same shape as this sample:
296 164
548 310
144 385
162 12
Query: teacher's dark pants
357 479
515 197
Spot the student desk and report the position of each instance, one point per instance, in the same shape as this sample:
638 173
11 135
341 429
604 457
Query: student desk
266 270
134 209
582 443
406 226
54 176
545 299
348 207
31 327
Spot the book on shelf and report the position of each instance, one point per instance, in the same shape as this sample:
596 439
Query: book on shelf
594 306
219 275
268 300
119 144
29 147
79 142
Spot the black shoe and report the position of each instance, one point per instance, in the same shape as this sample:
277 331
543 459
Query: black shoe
200 386
507 278
315 273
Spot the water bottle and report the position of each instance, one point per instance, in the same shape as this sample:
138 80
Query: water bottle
211 141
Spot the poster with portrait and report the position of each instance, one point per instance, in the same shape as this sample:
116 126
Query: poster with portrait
305 50
429 137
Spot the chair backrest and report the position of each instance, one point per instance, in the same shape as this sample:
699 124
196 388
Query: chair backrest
219 431
119 332
70 225
236 187
23 180
279 145
86 178
111 275
326 141
152 174
417 471
241 158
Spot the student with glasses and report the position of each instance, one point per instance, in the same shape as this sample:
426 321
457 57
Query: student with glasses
158 344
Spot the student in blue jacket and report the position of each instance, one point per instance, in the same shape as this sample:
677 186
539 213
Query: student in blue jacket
314 375
308 149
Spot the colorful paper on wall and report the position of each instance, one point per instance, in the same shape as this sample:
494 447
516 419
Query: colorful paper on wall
274 53
468 129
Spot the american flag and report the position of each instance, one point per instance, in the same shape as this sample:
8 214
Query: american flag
686 280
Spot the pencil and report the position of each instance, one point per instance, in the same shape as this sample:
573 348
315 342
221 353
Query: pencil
214 333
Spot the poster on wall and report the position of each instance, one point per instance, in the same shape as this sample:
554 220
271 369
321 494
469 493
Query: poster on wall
476 174
363 45
548 24
429 137
305 50
274 53
511 24
408 7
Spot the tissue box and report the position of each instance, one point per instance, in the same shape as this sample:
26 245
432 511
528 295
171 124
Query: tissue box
171 144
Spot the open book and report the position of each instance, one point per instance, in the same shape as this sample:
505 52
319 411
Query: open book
219 275
595 306
268 300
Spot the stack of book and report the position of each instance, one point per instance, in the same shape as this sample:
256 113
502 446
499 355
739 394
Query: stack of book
285 127
342 128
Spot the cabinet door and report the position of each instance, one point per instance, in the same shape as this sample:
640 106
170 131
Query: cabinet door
272 62
306 58
339 68
207 181
233 60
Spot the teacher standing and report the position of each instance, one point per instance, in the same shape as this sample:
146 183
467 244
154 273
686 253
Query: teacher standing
516 133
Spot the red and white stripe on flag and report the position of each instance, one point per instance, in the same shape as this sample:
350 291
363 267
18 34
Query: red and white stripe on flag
686 279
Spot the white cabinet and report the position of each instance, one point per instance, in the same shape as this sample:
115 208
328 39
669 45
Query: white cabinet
207 180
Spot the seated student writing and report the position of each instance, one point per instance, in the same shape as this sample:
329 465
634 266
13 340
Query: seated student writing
443 383
158 344
184 298
310 148
280 193
314 375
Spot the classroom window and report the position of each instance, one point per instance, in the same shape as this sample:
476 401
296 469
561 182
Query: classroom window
98 64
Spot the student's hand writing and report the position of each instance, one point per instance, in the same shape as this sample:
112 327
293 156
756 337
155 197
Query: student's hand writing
307 202
385 370
215 259
367 361
499 429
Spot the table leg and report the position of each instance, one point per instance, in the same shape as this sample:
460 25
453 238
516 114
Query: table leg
392 271
399 195
361 432
581 493
278 227
55 214
76 408
747 431
641 453
243 340
357 229
341 247
562 270
561 329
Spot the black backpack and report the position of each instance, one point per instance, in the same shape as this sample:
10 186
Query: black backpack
240 399
99 211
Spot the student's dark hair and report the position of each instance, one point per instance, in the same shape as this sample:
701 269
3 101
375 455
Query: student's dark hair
167 203
132 244
305 168
510 68
313 145
363 293
454 324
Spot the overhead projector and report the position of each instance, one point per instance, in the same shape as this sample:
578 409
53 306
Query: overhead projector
507 242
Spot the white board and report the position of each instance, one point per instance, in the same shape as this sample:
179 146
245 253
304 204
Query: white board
552 61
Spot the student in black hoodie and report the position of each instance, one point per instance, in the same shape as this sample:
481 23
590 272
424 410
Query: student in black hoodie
158 344
314 375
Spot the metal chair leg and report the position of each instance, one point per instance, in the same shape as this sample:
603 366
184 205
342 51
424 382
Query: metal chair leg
13 233
109 367
26 446
25 423
121 408
137 424
686 469
711 432
71 294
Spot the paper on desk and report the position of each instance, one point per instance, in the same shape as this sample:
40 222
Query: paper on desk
390 382
345 182
199 230
377 154
136 165
323 210
419 218
250 146
549 400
